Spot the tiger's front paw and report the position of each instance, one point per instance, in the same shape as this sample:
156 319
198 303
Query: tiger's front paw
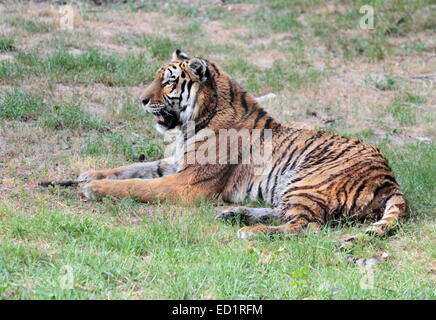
231 214
93 190
252 231
245 233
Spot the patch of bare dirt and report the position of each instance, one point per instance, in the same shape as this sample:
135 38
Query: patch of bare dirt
96 91
104 26
30 41
355 33
97 96
218 32
6 30
57 15
330 7
75 51
349 99
254 38
8 57
110 24
109 47
265 59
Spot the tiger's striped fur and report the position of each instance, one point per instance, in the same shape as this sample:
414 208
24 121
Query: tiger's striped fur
314 176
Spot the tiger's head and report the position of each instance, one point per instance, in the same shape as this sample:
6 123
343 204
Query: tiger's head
171 97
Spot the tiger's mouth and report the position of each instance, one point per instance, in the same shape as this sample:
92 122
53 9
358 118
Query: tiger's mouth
157 111
164 117
159 117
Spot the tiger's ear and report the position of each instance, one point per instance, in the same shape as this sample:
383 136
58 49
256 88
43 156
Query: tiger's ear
199 69
179 55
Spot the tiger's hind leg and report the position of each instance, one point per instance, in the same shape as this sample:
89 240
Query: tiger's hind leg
297 212
250 216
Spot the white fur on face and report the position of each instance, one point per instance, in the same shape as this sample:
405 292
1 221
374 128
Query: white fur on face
171 74
188 101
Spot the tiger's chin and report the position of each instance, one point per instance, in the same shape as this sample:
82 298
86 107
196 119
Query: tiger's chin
161 128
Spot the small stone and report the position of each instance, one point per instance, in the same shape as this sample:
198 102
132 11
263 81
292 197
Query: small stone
328 286
424 139
266 97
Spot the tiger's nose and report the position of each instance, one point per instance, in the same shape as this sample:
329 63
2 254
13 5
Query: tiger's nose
145 101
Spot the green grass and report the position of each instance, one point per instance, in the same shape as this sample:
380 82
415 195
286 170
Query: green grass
6 44
373 48
132 148
159 47
418 181
189 255
71 117
128 109
30 26
24 106
405 109
386 84
93 67
281 75
278 21
20 105
87 67
191 29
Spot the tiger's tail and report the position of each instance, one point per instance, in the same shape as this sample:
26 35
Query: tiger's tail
396 208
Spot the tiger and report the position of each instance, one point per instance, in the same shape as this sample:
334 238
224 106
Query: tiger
312 177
